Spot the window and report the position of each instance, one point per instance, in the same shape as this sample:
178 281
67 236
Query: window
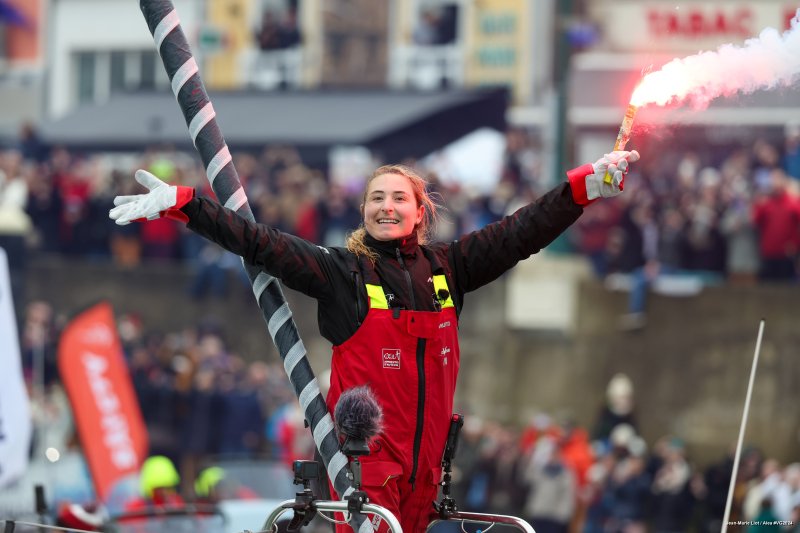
436 24
86 63
148 71
99 74
118 78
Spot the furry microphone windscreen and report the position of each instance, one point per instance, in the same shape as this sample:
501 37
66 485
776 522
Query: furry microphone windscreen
357 414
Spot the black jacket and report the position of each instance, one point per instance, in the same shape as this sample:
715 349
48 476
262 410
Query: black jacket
334 277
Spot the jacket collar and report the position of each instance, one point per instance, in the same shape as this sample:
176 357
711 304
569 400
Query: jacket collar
407 245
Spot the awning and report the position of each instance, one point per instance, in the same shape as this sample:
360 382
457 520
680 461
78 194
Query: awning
395 124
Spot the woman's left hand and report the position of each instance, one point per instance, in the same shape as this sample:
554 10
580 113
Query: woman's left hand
589 183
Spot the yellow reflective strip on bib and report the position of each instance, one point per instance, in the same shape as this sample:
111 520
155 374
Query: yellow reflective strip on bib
439 283
377 299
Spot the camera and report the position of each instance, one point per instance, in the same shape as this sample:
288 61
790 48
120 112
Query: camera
305 471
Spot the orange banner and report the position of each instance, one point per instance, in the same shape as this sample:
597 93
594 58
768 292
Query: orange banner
104 404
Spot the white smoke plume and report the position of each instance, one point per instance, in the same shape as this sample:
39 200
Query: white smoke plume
765 62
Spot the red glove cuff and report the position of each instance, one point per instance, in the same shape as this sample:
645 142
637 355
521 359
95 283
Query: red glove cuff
577 183
175 214
182 197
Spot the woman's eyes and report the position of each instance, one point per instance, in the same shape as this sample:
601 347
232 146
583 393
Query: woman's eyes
396 198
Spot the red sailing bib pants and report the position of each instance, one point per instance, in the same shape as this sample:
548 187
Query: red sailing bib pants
410 361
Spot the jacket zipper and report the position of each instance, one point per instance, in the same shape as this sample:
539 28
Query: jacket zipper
420 379
408 278
358 297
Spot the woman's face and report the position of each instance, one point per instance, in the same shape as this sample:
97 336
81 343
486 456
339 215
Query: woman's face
391 210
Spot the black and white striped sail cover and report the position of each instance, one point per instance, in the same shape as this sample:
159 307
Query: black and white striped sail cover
182 69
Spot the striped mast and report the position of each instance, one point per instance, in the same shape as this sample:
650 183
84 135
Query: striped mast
183 72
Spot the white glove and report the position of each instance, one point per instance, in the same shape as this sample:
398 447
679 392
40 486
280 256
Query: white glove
614 164
162 200
588 182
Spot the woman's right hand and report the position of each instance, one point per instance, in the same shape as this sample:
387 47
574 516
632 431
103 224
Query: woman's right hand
161 200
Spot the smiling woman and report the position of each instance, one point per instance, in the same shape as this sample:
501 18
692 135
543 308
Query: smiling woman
389 301
391 210
395 204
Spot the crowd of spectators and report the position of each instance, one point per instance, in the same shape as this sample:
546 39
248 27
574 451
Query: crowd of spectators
63 199
200 402
732 214
699 217
724 215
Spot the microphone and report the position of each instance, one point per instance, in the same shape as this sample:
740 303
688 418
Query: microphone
358 416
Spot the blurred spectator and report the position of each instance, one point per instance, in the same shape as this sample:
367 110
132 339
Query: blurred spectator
38 344
541 425
30 146
594 496
330 220
791 158
577 455
214 485
44 207
477 487
523 162
199 433
617 410
277 33
627 243
506 488
13 186
642 231
717 478
268 35
672 500
736 225
290 29
705 246
766 159
764 521
213 270
427 30
591 234
241 417
159 482
777 218
551 499
436 26
466 459
629 490
786 495
15 224
95 227
764 486
294 440
72 183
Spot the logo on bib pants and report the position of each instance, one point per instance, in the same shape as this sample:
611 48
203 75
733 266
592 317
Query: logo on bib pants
391 358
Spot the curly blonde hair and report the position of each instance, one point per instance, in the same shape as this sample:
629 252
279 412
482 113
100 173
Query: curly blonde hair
419 186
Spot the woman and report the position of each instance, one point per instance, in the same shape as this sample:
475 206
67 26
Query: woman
389 301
